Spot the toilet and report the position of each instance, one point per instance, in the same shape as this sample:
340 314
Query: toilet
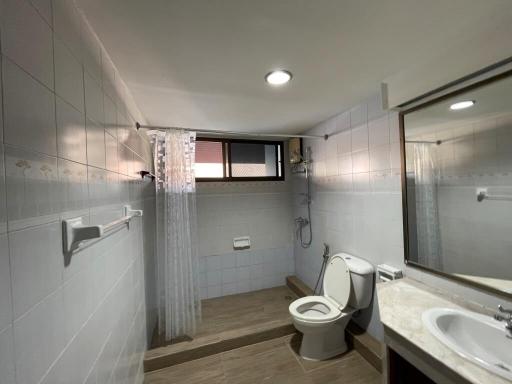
347 287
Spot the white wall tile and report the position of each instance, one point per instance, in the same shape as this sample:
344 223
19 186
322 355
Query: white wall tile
32 188
71 135
7 356
360 138
110 116
44 7
37 264
99 289
69 78
378 131
39 338
92 53
68 25
95 144
380 158
93 99
3 205
73 180
111 153
27 40
5 284
29 110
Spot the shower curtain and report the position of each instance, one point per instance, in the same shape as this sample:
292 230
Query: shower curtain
427 215
178 302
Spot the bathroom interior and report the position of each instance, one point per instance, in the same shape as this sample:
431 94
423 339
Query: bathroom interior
237 191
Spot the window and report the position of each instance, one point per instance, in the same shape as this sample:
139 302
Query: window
238 160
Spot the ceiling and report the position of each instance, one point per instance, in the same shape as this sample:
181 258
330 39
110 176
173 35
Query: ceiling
201 63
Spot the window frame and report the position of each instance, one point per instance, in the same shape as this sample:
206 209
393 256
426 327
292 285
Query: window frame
227 165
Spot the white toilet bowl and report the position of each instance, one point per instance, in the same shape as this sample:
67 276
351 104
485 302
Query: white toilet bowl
322 319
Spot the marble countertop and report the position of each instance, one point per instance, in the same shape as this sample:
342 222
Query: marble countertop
401 304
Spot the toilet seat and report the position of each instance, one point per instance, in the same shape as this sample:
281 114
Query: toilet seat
314 309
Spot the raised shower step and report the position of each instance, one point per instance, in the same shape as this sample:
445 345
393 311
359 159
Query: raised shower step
178 353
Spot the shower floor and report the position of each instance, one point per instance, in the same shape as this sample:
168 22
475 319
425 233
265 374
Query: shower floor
229 322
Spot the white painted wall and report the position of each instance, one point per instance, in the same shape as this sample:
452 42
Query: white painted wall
68 148
261 210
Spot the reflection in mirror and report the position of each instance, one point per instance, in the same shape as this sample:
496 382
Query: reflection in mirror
458 164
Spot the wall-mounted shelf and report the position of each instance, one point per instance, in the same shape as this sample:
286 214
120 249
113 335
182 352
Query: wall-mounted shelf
74 231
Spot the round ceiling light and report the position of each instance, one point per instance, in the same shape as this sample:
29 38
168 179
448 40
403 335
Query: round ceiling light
462 105
278 77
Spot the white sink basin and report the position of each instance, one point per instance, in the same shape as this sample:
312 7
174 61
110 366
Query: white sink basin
476 337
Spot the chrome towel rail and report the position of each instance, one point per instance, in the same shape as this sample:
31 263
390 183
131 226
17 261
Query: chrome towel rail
482 194
74 231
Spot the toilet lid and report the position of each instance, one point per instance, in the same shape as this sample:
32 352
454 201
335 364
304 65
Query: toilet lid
337 281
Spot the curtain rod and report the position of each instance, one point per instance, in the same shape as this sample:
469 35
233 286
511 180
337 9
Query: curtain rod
216 132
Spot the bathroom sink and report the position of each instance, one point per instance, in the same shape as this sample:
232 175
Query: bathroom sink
476 337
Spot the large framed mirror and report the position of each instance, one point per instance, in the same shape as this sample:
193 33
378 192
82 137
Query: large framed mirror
457 184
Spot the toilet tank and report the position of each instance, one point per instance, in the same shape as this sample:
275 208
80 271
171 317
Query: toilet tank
362 275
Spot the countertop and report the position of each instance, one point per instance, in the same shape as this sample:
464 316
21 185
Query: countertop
401 304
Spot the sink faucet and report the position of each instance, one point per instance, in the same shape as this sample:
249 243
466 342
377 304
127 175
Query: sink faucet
506 316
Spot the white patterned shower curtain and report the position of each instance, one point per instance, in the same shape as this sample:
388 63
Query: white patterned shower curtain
427 215
178 301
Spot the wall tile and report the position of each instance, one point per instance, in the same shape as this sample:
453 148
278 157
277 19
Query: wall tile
378 131
32 188
37 264
29 111
44 7
69 81
7 356
1 101
54 160
73 180
92 54
380 158
71 134
95 144
360 162
111 153
110 116
27 40
93 100
5 284
39 338
68 25
97 180
359 138
3 204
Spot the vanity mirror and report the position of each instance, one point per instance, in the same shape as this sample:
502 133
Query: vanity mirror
457 184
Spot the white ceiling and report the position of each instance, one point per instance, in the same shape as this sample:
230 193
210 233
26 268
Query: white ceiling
201 63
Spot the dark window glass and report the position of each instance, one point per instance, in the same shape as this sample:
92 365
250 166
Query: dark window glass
228 160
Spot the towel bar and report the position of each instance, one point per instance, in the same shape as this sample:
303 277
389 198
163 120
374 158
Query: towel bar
74 231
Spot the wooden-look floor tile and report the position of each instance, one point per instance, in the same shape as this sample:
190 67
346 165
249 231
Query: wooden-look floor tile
269 362
207 370
257 362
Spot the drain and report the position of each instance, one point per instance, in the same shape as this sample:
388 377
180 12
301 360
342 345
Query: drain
288 298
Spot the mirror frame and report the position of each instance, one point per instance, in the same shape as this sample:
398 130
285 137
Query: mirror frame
401 120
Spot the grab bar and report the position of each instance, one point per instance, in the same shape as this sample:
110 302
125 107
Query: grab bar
482 194
74 231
